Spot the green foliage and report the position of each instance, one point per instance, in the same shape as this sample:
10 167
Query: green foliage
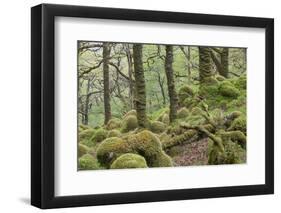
128 161
129 123
88 162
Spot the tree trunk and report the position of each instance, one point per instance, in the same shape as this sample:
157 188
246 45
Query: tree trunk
221 61
86 107
204 63
140 98
107 107
171 83
130 72
188 64
224 62
161 82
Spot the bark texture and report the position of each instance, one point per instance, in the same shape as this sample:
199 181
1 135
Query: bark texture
107 106
171 83
140 99
205 70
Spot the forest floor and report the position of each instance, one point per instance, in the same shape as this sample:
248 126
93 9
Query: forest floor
192 154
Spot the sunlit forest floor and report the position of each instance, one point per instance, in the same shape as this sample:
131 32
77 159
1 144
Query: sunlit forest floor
210 129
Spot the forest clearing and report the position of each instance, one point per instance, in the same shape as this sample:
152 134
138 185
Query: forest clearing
156 105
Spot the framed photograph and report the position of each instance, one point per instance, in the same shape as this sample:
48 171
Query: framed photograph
139 106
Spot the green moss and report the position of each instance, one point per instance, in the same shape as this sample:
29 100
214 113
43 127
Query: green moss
144 143
194 120
240 124
182 112
210 81
162 160
88 162
99 136
84 127
113 123
129 160
158 114
241 82
228 90
131 112
166 119
86 134
234 115
164 136
113 133
220 78
129 123
233 154
82 149
235 136
208 91
110 149
157 126
185 92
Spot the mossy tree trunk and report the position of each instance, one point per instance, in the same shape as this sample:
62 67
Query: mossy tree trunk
224 62
107 107
171 83
221 61
130 73
140 99
86 107
205 65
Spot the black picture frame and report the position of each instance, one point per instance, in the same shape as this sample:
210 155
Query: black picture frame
43 102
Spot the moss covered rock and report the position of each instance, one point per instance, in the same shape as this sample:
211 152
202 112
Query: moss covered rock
149 146
233 154
88 162
241 82
211 80
157 127
228 90
166 119
86 134
82 149
144 143
185 92
113 133
99 136
110 149
220 78
208 90
129 160
240 124
182 113
113 123
131 112
84 127
129 123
